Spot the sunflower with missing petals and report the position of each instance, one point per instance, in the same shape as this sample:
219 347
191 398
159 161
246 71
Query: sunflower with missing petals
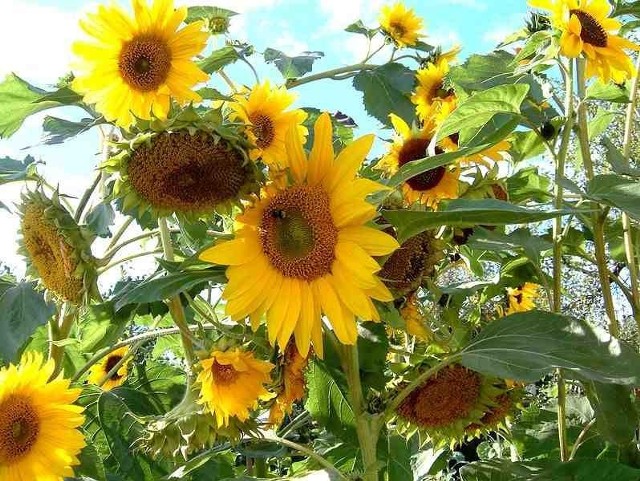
587 30
232 383
100 370
292 385
264 111
432 99
304 249
40 436
411 144
401 24
133 66
522 298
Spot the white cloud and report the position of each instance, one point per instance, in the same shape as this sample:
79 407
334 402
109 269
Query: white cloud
497 32
443 37
240 6
471 4
342 13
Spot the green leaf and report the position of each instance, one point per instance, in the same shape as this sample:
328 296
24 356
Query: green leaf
373 345
210 93
616 415
481 72
519 240
56 130
219 59
91 466
100 218
398 457
627 8
159 288
22 311
328 404
12 170
359 27
19 100
527 185
609 92
386 90
292 67
466 213
478 109
207 13
616 191
528 345
616 159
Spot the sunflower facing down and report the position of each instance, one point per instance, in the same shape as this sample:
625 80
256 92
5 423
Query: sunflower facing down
522 298
263 109
401 24
232 383
40 437
587 29
303 249
410 144
100 370
135 66
292 390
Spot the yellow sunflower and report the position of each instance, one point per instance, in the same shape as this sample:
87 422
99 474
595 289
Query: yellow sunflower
263 109
401 24
100 370
232 383
293 367
135 66
587 29
431 98
410 144
486 157
522 298
303 248
40 437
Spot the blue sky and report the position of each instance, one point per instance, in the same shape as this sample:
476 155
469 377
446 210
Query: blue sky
292 26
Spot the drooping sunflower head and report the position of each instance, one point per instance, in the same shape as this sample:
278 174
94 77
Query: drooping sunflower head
401 24
429 187
496 417
232 383
58 252
434 101
102 369
264 111
522 298
303 249
291 385
416 259
40 434
587 30
185 171
133 66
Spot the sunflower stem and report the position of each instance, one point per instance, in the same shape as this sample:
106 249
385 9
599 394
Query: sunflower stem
292 83
113 250
175 305
84 200
598 217
129 258
116 237
58 332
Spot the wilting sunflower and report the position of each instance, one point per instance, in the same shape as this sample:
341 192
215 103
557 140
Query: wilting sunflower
445 404
503 406
232 383
100 370
57 250
40 436
303 248
264 111
135 66
413 317
292 385
416 258
434 101
410 144
587 29
189 169
522 298
401 24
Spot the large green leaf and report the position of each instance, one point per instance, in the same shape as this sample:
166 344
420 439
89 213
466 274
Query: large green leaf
12 170
386 90
526 346
57 130
22 311
219 59
478 109
480 72
616 191
466 213
292 67
520 240
398 457
616 415
100 218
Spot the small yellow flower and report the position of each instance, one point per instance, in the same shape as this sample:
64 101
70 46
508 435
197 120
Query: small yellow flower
522 298
401 24
100 370
294 365
587 30
232 383
414 319
433 101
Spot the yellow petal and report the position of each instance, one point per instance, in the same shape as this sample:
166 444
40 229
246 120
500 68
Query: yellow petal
349 161
373 241
321 157
295 152
234 252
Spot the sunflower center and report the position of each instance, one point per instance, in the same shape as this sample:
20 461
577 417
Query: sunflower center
145 62
592 31
184 173
444 399
397 29
518 298
223 373
111 363
297 232
263 129
414 149
440 92
19 428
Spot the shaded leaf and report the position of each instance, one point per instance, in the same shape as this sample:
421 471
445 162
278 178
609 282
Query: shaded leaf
292 67
12 170
616 191
57 130
219 59
610 92
100 218
359 27
616 415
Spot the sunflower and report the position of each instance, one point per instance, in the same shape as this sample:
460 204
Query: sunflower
40 437
432 99
232 383
263 110
587 29
303 248
487 157
522 298
292 390
100 370
413 317
57 250
496 417
410 144
401 24
133 67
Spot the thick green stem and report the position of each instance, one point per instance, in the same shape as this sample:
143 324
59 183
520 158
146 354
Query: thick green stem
329 74
113 250
129 258
597 217
58 332
84 200
116 237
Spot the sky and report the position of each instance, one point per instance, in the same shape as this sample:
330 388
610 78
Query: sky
36 36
